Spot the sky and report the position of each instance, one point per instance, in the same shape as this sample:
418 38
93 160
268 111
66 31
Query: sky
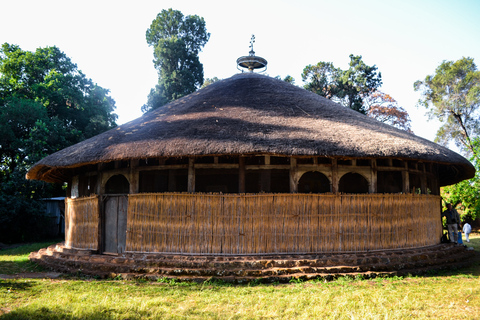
406 39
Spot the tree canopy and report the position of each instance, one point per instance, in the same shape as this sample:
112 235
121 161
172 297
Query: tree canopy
356 88
46 104
452 95
384 108
465 194
348 87
176 40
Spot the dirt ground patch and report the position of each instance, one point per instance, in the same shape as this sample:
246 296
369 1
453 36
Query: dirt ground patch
31 275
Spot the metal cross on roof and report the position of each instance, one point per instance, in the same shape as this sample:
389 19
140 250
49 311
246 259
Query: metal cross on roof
252 62
252 41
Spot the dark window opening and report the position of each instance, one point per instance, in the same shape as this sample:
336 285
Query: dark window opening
252 181
153 181
275 181
415 183
122 164
108 166
429 167
174 161
363 162
280 181
344 162
254 160
389 182
313 182
383 163
149 162
117 184
412 165
204 160
227 159
304 160
178 180
216 180
432 186
170 180
279 160
353 183
397 163
322 160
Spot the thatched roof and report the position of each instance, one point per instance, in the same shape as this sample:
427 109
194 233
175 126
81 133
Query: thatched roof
251 114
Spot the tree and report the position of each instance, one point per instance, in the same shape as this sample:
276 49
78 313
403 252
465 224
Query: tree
452 95
348 87
209 81
322 79
46 104
465 194
177 41
384 108
288 79
356 88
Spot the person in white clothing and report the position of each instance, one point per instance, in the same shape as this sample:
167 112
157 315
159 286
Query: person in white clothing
467 228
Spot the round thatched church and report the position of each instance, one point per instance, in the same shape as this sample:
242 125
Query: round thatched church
252 165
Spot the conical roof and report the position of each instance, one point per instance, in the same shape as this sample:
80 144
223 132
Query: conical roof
252 114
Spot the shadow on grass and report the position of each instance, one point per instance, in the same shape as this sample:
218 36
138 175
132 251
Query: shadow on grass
14 285
45 313
25 249
15 260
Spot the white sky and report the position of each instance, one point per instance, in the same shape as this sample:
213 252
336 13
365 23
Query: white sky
405 39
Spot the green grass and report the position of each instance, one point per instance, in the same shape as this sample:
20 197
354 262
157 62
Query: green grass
448 295
15 260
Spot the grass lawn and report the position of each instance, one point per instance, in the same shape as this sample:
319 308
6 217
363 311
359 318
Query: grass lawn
449 295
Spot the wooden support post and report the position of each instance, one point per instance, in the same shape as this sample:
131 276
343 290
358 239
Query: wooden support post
100 179
241 175
267 160
424 179
406 179
134 183
334 176
293 175
374 184
191 175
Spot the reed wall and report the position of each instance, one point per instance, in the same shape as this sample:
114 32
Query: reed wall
280 223
82 222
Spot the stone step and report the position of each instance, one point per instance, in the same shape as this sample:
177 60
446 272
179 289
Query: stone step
258 266
240 272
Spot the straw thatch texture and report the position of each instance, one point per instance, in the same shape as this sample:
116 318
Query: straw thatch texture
81 222
280 223
252 114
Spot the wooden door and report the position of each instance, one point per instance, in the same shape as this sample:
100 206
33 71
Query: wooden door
115 227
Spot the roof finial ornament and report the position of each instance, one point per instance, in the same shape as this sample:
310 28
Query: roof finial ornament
252 41
252 62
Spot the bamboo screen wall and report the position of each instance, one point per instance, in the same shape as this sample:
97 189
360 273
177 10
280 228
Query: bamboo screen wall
280 223
81 223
